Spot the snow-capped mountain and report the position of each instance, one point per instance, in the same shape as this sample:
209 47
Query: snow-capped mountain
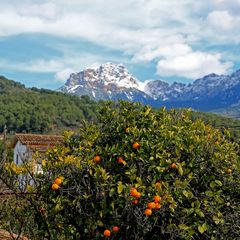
109 81
113 81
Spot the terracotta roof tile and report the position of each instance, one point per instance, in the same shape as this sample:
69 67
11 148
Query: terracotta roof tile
38 142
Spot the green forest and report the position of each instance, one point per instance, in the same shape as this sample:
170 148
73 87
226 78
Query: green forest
41 110
44 111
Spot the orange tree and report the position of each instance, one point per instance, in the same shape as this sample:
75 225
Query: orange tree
138 174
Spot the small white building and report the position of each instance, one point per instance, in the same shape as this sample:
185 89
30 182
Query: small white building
25 145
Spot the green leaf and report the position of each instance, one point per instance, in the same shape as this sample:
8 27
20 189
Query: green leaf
180 170
212 184
219 183
120 187
112 191
148 110
112 205
199 213
187 194
202 228
183 226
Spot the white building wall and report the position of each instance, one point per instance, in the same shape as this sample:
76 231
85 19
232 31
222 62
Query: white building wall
21 153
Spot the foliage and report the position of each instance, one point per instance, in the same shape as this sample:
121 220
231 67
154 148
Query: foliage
220 122
40 110
107 180
232 111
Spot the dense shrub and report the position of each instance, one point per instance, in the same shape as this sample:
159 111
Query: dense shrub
107 174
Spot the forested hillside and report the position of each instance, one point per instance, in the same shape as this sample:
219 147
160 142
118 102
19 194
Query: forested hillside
40 110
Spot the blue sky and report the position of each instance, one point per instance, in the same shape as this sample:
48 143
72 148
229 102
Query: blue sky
42 42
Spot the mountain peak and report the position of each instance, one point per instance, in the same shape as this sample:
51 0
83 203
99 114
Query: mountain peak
112 81
104 82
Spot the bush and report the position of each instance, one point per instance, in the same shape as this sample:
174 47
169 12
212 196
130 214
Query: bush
185 173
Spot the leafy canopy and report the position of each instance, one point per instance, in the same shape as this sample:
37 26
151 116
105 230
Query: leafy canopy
180 182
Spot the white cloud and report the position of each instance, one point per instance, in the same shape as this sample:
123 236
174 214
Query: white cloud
192 65
148 53
64 74
232 6
144 30
47 10
222 20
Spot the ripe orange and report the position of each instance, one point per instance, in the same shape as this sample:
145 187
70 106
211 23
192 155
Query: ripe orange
151 205
173 165
135 201
115 229
229 171
157 199
136 145
58 181
127 130
120 160
107 233
158 206
133 192
97 158
148 212
158 185
138 195
54 187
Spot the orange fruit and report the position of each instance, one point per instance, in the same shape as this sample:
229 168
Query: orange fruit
107 233
115 229
97 158
133 192
158 185
120 160
217 142
127 130
54 187
173 165
148 212
158 206
136 145
229 171
151 205
138 195
135 201
58 181
157 199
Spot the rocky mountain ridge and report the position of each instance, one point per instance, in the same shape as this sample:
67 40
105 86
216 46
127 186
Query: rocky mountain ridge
113 81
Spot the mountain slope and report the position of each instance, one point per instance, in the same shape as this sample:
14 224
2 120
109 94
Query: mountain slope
113 81
41 110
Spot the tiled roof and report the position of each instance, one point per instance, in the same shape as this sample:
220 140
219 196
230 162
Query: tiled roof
38 142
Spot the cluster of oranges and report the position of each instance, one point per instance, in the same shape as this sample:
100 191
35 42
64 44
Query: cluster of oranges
56 184
107 232
153 205
134 193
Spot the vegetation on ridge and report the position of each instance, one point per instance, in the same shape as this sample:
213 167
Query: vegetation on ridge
40 110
